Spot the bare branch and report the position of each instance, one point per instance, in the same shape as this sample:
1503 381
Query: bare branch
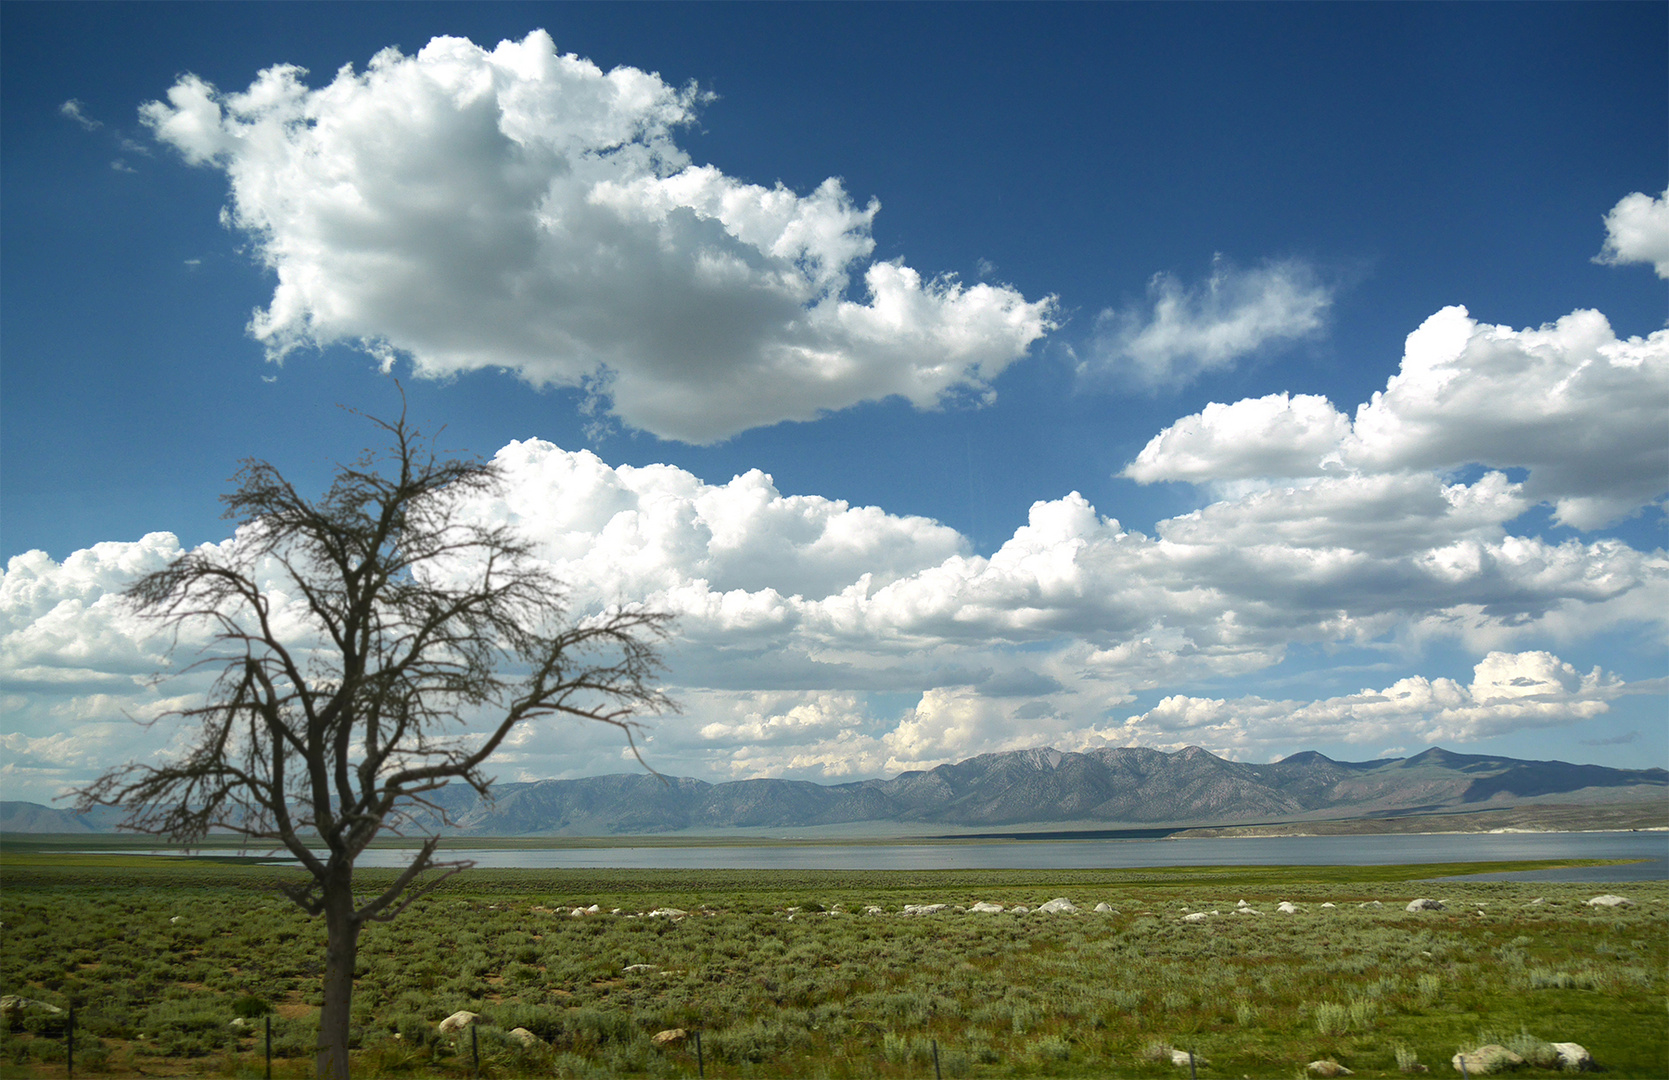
356 638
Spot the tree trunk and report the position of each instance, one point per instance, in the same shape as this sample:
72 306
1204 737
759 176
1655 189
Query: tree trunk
341 948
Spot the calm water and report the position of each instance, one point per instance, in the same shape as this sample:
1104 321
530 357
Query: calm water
1118 854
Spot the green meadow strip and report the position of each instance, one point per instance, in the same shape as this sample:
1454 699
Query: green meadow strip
785 975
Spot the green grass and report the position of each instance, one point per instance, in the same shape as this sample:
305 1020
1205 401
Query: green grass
837 994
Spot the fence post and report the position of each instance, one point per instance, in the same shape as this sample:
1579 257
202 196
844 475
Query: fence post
69 1045
269 1046
474 1054
936 1075
700 1066
1192 1075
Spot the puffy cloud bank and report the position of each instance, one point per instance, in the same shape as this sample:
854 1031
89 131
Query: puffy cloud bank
1509 692
525 210
823 639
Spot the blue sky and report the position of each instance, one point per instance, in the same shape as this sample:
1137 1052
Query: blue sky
1053 234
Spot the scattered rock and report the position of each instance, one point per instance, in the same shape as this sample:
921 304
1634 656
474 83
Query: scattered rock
1329 904
1198 916
1182 1057
1423 904
669 1037
1105 908
1019 909
1247 911
1287 907
178 918
924 909
457 1021
1371 903
12 1007
667 913
242 1024
874 909
1060 905
1327 1067
1539 900
1573 1056
987 909
526 1037
633 968
1609 900
1485 1060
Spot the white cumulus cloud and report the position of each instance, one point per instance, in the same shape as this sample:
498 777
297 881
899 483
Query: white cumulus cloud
1637 231
1185 331
525 210
1579 408
1509 692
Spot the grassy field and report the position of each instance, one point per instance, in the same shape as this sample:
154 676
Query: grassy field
784 974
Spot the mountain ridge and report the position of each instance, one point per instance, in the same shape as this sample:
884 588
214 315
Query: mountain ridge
1131 786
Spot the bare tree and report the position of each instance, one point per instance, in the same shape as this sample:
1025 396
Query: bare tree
341 705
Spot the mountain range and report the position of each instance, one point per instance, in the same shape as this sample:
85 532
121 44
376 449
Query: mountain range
1130 786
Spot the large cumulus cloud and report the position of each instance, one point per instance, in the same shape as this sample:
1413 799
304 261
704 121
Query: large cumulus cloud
1579 408
525 210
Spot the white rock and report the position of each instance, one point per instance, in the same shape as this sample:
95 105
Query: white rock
1485 1060
1608 900
1327 1067
667 913
526 1037
987 909
1287 907
1422 904
1329 904
1181 1058
457 1021
177 918
592 910
1019 909
1573 1056
631 968
1539 900
924 909
12 1006
1198 916
1247 911
1104 908
874 909
1371 903
1060 905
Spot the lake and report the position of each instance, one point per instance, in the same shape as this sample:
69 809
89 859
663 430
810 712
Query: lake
1115 854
